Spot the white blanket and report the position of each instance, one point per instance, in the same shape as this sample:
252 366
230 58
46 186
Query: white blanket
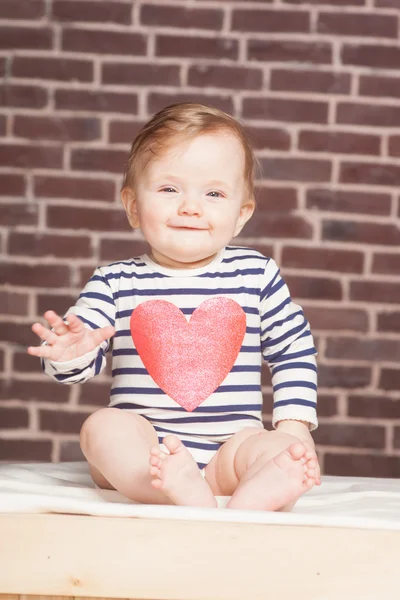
68 489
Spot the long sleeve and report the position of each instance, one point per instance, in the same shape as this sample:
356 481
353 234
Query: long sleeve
96 308
288 347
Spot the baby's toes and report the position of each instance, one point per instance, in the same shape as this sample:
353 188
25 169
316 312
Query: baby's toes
155 471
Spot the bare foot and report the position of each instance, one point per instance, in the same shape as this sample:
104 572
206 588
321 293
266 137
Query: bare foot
279 482
178 475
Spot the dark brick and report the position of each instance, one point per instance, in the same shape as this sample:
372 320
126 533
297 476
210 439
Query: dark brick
31 157
387 3
86 11
40 244
276 225
329 2
358 24
13 418
316 288
96 101
368 114
57 128
340 142
241 78
23 96
94 394
85 218
327 405
273 21
371 55
394 145
336 319
61 69
295 169
77 188
25 450
324 259
197 47
104 42
357 232
349 201
374 85
3 65
12 185
337 376
356 436
177 16
369 173
19 214
375 291
279 109
320 82
2 125
59 303
22 9
140 74
275 199
22 362
34 390
13 303
124 132
157 101
18 334
289 51
106 161
363 465
61 421
25 38
389 321
389 379
387 264
117 249
39 275
373 407
71 452
367 349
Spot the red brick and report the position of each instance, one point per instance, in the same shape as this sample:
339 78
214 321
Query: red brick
329 2
273 21
57 128
23 96
25 450
356 436
157 101
71 452
177 16
364 233
338 376
31 157
96 101
84 274
13 303
277 225
295 169
375 291
39 244
371 55
22 9
86 11
106 161
320 82
197 47
117 249
241 78
85 218
340 142
124 132
61 421
377 173
349 201
396 441
394 145
18 214
34 390
289 50
262 247
279 109
25 38
140 74
387 3
373 407
374 85
38 275
12 185
389 379
44 67
358 24
76 188
387 264
316 288
336 319
324 259
94 394
275 200
389 321
327 405
18 334
367 114
59 303
2 125
3 64
363 465
22 362
104 42
13 418
371 349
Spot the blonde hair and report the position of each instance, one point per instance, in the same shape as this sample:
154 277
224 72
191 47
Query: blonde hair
181 122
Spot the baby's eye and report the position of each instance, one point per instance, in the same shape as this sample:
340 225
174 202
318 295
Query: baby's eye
167 189
215 194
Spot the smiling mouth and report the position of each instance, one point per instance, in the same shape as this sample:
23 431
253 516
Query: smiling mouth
187 227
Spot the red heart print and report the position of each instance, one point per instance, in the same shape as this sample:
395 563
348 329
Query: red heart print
188 360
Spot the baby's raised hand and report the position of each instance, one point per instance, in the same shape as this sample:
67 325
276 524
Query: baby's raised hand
66 340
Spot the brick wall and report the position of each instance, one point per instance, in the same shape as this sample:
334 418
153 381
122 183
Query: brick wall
317 85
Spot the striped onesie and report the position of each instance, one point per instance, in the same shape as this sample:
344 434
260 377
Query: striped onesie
147 372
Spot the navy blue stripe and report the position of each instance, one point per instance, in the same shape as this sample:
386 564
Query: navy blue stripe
250 310
211 419
292 384
98 362
282 322
156 391
189 291
228 408
125 352
143 371
91 325
97 296
295 402
135 275
296 365
268 343
276 310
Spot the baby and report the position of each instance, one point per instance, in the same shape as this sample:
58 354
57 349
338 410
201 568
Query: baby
188 325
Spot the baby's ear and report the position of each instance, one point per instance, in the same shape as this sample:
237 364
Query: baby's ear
246 212
129 201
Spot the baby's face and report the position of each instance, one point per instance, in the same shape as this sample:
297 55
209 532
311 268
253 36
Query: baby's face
191 201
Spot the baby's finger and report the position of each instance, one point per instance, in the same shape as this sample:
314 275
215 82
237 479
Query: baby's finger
40 351
46 335
75 325
104 333
56 322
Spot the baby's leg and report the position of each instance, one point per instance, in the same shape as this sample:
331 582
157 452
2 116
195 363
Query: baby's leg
117 446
